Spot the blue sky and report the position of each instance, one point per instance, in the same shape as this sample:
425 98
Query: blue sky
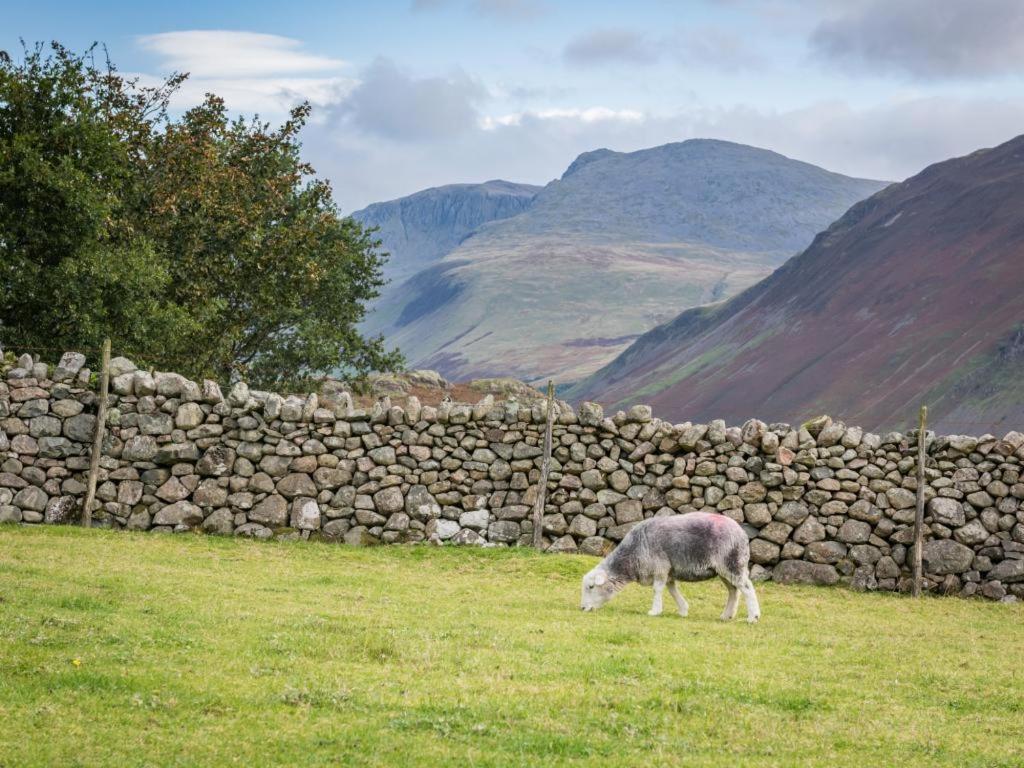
415 93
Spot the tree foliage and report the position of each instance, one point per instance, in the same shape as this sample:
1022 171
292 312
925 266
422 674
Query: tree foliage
201 239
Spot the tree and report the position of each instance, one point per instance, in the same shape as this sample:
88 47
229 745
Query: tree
201 240
274 280
73 268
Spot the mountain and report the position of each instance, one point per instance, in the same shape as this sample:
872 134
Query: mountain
915 295
421 228
618 244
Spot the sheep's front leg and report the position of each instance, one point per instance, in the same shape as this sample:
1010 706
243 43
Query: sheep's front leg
659 585
681 604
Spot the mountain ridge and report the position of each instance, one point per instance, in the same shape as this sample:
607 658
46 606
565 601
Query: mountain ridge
903 299
620 242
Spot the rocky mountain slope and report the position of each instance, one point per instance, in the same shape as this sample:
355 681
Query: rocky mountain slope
621 242
419 229
916 295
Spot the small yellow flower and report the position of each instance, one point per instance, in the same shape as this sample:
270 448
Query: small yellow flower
77 662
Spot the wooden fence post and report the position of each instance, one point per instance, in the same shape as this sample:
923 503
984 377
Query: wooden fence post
97 440
545 468
919 513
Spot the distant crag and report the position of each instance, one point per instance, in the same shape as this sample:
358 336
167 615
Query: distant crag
618 244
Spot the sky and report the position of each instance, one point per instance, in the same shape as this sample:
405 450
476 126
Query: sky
409 94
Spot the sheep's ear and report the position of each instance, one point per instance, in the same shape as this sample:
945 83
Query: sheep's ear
600 578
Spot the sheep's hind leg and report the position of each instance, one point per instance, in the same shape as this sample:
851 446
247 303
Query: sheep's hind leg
681 604
731 603
659 585
753 607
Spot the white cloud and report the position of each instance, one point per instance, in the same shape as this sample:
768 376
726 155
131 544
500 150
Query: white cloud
389 102
927 39
888 141
228 53
891 141
704 47
587 115
612 45
252 72
502 10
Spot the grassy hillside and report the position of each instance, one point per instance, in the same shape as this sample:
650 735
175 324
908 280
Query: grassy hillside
912 297
126 650
620 243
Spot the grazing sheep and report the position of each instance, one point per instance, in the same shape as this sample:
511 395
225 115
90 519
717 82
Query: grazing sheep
663 550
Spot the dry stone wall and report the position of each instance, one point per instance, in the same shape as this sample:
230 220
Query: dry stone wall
822 503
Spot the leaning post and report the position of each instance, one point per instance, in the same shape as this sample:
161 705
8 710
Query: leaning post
919 513
97 439
545 468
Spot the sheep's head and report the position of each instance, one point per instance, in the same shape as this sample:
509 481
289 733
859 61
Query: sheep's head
597 589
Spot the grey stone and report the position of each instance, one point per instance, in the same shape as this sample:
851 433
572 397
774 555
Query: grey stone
441 529
172 490
764 552
972 533
387 501
169 384
305 514
420 504
384 456
901 498
271 511
254 531
220 521
179 513
598 546
792 513
296 484
360 537
945 556
803 572
174 453
809 531
31 499
139 448
591 414
476 519
61 510
155 423
503 531
119 366
830 552
189 416
81 428
1007 571
217 461
854 532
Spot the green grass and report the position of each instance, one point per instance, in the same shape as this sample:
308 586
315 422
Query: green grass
204 651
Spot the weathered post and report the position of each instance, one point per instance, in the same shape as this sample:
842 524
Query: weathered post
97 440
545 468
919 514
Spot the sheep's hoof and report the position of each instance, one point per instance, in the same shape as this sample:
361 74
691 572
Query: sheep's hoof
753 619
653 612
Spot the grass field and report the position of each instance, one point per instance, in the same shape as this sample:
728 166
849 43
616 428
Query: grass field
128 650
